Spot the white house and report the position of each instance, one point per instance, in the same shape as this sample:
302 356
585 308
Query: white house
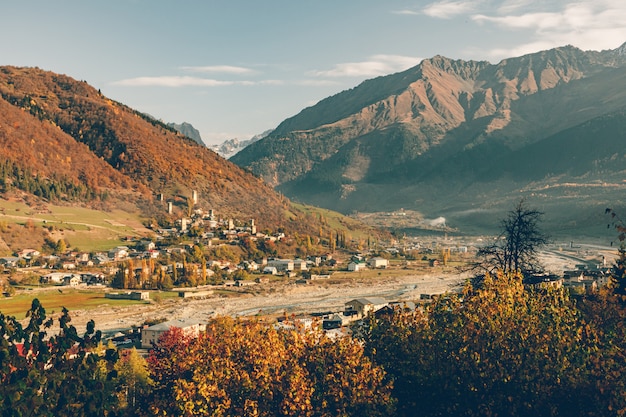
72 280
270 270
120 252
282 265
28 253
356 266
378 262
363 306
54 277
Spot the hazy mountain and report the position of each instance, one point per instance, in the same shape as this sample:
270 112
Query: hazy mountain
62 139
188 130
230 147
457 138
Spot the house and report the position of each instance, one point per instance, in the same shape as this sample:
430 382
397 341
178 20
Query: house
54 278
333 322
299 265
9 261
361 307
396 307
378 262
118 253
150 335
282 265
68 264
146 245
92 279
72 280
270 270
28 253
543 280
249 266
356 266
100 259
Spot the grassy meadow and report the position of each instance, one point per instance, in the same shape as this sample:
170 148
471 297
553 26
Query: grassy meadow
53 300
85 229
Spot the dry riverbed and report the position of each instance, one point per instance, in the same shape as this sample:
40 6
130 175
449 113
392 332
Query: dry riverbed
274 299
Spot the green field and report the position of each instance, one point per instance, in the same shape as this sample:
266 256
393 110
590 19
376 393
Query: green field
53 300
86 229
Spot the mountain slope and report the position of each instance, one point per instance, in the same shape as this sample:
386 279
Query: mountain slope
444 132
188 130
52 126
423 103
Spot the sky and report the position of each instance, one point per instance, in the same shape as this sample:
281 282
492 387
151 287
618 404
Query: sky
236 68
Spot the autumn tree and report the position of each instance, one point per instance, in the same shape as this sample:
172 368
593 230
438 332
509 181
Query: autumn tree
43 374
501 349
133 377
242 368
516 247
168 362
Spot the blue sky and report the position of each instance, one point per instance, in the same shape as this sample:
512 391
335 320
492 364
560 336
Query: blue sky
236 68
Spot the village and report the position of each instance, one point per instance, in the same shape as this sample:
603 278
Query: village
171 261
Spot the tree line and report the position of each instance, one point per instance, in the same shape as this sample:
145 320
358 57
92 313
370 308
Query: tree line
49 188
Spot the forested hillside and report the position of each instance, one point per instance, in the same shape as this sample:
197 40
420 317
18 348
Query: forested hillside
62 139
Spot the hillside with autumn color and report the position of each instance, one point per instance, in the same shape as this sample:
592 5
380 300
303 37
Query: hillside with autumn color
463 140
63 139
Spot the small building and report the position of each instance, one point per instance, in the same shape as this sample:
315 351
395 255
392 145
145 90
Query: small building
195 294
361 307
28 253
9 261
150 335
72 280
356 266
299 265
282 265
396 307
270 270
53 278
118 253
130 295
378 263
335 321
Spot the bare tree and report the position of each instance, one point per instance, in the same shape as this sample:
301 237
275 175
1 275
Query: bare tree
618 272
516 248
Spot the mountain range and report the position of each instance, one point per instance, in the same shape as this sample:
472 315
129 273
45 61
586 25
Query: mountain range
463 140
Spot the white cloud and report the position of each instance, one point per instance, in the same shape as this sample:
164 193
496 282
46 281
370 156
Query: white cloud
178 81
377 65
449 9
588 25
170 81
406 12
224 69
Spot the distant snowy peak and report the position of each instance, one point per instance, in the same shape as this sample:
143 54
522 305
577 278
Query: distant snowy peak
230 147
